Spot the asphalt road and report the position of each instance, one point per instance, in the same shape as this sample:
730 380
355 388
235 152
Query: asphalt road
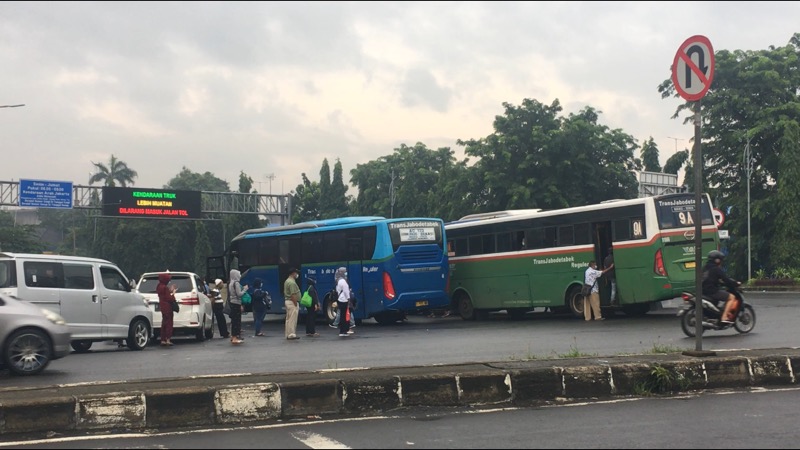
420 341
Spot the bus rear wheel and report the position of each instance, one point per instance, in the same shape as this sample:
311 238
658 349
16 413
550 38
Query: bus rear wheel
575 301
465 308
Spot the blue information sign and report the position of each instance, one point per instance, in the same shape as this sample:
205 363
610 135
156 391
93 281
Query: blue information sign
45 194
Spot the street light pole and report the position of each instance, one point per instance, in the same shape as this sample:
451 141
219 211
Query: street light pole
676 142
748 171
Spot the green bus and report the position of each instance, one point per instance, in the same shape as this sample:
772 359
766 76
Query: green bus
518 260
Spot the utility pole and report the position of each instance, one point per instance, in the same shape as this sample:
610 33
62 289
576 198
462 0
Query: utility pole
391 196
747 162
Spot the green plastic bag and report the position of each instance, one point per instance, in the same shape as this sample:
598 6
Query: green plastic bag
246 299
306 300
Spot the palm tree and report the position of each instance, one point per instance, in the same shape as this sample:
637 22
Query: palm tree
117 171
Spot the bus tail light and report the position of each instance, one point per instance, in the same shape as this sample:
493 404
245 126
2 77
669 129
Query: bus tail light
388 286
658 266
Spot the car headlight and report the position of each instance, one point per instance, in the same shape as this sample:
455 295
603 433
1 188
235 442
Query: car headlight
53 317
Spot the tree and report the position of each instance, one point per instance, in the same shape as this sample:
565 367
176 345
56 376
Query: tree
753 94
306 200
117 171
193 181
18 238
786 242
676 161
535 159
339 200
650 156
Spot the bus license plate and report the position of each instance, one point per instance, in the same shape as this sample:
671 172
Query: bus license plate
689 265
422 303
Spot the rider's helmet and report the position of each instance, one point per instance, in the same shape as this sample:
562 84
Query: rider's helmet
716 254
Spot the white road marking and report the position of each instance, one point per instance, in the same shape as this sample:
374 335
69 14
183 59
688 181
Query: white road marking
314 440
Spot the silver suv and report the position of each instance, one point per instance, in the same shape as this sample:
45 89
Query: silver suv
195 316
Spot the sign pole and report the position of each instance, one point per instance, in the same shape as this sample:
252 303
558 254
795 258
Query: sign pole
692 74
698 230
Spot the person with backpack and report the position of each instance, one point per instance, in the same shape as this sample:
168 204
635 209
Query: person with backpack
261 303
311 311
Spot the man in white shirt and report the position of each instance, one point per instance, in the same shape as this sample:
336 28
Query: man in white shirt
593 299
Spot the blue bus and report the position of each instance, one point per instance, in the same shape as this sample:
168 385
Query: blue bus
395 266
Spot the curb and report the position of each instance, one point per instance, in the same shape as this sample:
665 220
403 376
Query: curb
253 398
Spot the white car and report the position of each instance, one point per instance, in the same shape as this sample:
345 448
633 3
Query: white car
195 316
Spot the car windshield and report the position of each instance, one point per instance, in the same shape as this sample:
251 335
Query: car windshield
183 282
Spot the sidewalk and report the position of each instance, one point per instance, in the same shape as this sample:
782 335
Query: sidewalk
159 404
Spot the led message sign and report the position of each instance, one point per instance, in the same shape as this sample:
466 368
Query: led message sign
154 203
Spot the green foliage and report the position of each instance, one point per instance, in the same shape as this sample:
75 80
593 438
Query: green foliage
786 240
754 97
676 161
116 172
650 156
18 238
536 159
660 381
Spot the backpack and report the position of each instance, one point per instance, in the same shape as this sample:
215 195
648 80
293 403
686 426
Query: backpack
262 297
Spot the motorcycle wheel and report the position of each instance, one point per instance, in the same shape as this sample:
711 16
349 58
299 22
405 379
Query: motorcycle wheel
746 320
688 323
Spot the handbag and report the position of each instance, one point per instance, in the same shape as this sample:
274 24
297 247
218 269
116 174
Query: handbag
587 289
176 307
246 299
227 309
306 299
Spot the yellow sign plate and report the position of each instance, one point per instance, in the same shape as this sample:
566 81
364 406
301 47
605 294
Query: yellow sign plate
689 265
422 303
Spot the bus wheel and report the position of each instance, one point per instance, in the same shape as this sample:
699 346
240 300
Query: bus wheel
330 310
465 308
575 301
637 309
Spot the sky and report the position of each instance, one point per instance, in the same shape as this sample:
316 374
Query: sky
274 88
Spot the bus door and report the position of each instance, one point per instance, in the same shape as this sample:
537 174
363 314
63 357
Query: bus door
602 240
355 275
215 268
289 257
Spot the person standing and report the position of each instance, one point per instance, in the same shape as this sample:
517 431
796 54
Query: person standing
608 264
259 306
235 292
219 293
166 295
311 311
291 299
593 299
343 301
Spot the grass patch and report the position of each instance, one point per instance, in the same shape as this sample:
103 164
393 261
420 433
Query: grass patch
526 357
661 381
574 352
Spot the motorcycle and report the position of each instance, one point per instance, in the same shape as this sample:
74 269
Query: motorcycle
744 320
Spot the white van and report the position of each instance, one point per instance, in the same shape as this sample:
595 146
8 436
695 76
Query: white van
93 295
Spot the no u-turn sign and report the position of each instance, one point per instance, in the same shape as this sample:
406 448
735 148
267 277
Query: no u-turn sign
693 68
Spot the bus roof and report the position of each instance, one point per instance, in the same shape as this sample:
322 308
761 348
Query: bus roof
514 214
310 225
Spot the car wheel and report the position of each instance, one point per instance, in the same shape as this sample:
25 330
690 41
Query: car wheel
200 334
138 334
28 352
210 330
81 346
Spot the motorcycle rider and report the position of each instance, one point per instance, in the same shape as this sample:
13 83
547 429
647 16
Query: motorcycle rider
713 276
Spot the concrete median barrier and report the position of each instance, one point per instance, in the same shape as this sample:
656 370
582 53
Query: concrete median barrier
139 405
